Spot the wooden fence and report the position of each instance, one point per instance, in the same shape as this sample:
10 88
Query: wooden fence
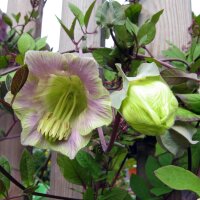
173 27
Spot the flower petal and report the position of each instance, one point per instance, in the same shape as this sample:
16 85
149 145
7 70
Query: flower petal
87 70
42 63
97 114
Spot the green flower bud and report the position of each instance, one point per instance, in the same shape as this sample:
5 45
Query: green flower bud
147 103
150 106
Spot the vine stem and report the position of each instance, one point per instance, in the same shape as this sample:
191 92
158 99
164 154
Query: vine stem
19 185
114 132
102 139
119 170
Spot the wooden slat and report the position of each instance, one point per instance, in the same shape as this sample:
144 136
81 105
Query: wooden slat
173 25
67 18
11 149
59 186
15 6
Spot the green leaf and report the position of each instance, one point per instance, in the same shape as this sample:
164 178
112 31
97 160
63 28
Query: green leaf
3 62
115 194
123 36
27 168
158 191
191 101
102 56
132 28
72 170
5 182
89 163
25 43
186 115
17 17
70 32
19 79
88 13
109 75
151 165
165 159
175 52
8 82
89 194
178 138
77 13
156 17
7 20
177 76
146 33
139 187
40 43
178 178
110 13
133 12
3 190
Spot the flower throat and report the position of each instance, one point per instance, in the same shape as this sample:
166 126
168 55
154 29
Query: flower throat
66 99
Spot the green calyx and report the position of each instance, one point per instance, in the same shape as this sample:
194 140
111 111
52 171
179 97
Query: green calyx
66 99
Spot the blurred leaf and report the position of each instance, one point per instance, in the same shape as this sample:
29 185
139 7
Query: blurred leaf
102 56
110 13
174 52
25 43
8 82
133 12
27 168
42 188
178 178
139 187
19 79
72 170
89 163
40 43
88 13
165 159
109 75
3 62
178 138
4 182
132 28
158 191
3 190
115 194
17 17
151 165
195 153
177 76
7 20
123 36
186 115
155 18
191 101
77 13
19 59
185 130
89 194
69 32
146 33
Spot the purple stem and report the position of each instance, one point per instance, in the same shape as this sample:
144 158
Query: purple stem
114 132
102 139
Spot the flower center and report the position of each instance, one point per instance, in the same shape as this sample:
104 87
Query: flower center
66 99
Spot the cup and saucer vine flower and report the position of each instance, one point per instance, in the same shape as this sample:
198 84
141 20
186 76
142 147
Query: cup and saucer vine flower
146 102
62 101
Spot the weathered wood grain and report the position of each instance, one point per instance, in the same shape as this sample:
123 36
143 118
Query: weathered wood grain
173 24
